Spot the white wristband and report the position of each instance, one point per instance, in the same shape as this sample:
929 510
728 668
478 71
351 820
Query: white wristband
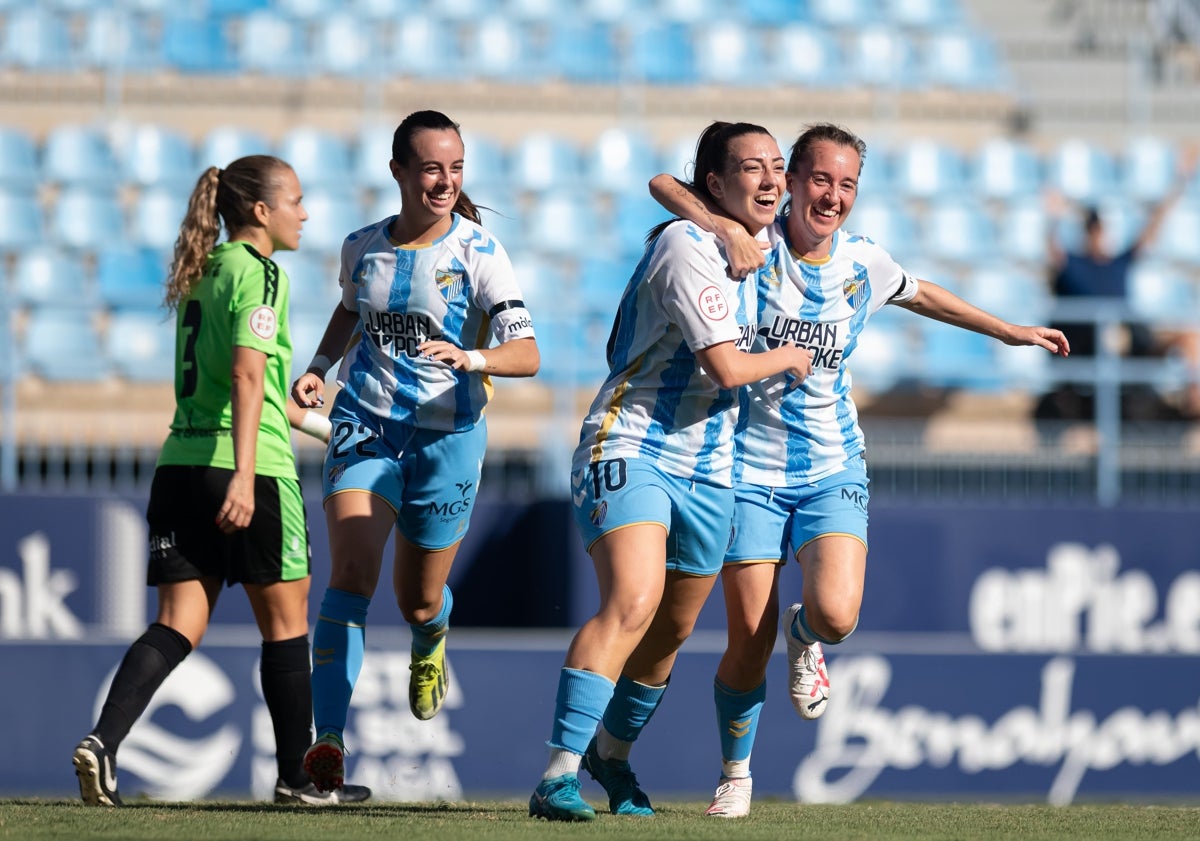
322 363
475 361
316 425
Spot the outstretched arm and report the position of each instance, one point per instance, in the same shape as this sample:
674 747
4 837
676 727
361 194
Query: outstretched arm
516 358
744 252
940 304
1187 169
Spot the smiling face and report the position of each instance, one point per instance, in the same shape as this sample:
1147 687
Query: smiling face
824 185
751 186
284 218
430 183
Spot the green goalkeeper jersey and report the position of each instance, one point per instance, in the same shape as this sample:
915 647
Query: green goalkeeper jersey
241 301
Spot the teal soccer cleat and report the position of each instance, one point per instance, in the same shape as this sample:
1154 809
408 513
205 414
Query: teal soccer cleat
558 799
618 779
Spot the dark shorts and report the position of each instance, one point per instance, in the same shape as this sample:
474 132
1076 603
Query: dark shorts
185 543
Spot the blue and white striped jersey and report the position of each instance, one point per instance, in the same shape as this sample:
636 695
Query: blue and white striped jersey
657 403
801 436
459 289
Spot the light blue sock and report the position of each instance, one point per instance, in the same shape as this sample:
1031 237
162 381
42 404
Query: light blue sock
338 642
582 697
737 719
425 637
631 707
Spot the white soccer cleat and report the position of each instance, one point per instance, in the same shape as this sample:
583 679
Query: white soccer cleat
732 799
808 679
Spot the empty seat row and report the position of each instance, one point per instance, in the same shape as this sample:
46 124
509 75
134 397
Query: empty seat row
717 47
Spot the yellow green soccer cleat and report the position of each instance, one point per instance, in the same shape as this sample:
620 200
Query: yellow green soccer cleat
428 681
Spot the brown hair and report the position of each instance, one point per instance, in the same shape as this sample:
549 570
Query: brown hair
403 151
228 196
818 132
712 156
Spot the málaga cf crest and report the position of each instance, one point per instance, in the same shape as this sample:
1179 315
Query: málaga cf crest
855 290
450 284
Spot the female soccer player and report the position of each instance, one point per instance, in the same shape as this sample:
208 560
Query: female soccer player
425 288
652 474
801 478
225 504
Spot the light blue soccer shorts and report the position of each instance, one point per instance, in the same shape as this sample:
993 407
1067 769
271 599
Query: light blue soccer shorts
620 492
768 521
429 477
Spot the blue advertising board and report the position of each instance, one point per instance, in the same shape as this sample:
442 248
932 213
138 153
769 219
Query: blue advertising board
1026 653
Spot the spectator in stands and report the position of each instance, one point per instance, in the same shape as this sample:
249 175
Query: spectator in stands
225 504
423 289
801 480
1096 272
652 474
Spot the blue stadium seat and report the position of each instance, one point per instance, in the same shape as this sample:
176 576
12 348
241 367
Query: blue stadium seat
563 224
659 54
1179 238
19 168
222 145
583 51
77 155
541 11
195 44
47 276
686 11
155 217
678 158
610 11
371 151
346 45
1159 290
1080 170
22 222
805 54
844 13
728 53
634 214
417 46
131 278
114 39
923 14
620 160
542 160
485 163
272 44
1148 168
497 48
958 229
37 39
86 219
152 155
927 168
63 345
881 57
961 59
601 282
502 216
458 10
955 358
236 7
1008 291
381 11
1002 168
332 216
885 222
773 13
542 288
313 281
876 361
1023 229
140 345
306 10
321 159
306 327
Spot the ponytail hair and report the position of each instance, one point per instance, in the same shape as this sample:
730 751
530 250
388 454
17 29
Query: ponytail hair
228 196
712 157
403 151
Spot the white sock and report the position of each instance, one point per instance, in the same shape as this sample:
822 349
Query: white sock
562 762
735 768
610 747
